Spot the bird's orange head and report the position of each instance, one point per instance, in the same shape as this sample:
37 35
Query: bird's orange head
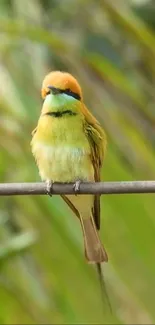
58 82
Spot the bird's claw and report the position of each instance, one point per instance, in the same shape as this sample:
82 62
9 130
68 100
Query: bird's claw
49 187
76 187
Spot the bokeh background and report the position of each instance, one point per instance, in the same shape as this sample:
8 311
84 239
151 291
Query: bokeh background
109 46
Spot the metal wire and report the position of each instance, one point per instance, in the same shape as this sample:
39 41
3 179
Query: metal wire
125 187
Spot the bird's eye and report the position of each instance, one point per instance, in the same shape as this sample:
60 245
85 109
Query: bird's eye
47 92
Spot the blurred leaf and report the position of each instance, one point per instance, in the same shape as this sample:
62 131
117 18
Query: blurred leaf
17 245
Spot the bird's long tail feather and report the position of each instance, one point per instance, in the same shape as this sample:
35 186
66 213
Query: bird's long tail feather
103 286
94 250
95 253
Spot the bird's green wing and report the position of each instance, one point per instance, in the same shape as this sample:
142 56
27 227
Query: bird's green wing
97 139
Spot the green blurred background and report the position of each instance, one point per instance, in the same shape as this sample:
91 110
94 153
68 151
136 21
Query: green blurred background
110 47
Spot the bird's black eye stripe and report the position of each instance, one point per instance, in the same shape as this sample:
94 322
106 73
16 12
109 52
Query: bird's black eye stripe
71 93
67 91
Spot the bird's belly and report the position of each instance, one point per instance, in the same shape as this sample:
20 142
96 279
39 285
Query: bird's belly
63 163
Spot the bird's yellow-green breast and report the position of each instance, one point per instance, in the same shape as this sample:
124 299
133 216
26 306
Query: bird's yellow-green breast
60 145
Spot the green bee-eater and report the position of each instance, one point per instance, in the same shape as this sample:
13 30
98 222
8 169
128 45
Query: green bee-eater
69 146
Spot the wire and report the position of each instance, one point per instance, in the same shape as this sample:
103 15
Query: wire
123 187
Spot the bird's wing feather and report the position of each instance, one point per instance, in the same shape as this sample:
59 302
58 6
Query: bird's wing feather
34 131
97 139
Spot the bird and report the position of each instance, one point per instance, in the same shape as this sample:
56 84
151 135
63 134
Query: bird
69 145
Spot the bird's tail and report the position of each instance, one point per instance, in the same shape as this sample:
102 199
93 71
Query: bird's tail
95 253
103 286
94 250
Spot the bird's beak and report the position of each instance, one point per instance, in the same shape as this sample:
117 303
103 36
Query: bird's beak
54 90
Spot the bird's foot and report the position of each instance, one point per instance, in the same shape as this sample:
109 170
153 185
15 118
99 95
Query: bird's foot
49 187
76 187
